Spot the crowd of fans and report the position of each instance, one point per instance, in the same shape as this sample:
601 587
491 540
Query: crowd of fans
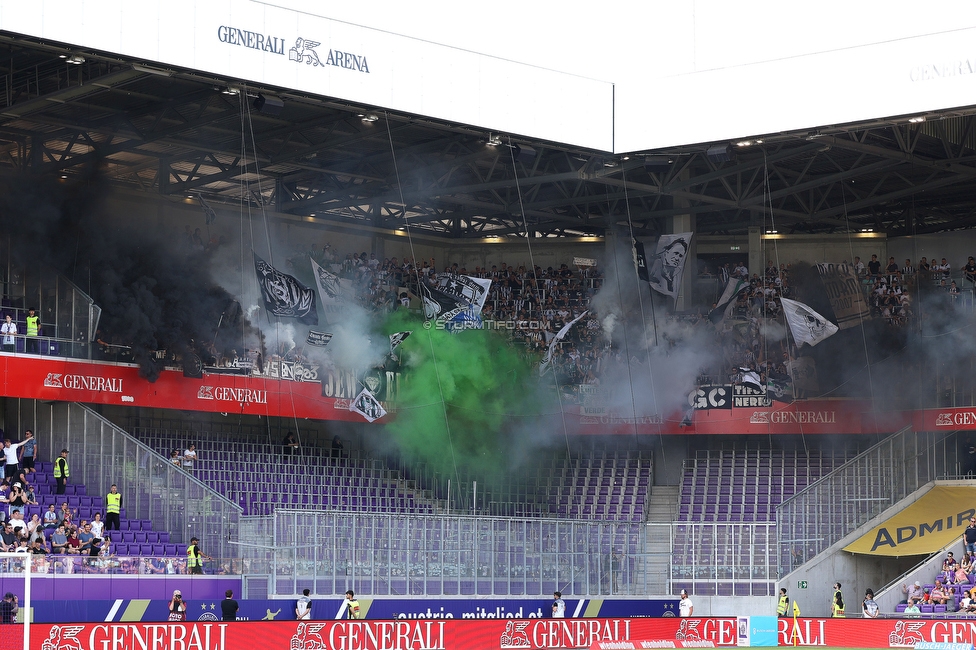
532 304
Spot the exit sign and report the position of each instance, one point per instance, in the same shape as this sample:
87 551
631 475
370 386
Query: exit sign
802 584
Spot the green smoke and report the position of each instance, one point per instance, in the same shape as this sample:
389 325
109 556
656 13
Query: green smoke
462 399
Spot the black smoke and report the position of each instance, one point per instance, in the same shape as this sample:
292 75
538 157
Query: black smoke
155 291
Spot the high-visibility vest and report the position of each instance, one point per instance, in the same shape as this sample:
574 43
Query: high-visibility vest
193 557
113 503
58 472
33 322
784 603
838 611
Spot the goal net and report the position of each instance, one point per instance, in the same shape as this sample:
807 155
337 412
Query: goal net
15 606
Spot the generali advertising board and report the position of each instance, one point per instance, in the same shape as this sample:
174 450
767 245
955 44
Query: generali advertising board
103 383
330 397
487 634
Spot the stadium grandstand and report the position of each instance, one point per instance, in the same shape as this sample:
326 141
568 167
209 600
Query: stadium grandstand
335 338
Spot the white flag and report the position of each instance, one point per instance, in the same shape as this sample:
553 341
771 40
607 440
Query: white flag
367 406
333 291
669 263
806 325
564 330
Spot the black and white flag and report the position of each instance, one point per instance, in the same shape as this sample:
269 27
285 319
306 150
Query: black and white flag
751 378
209 214
806 325
668 264
319 339
727 301
367 406
397 339
640 261
454 298
560 335
284 296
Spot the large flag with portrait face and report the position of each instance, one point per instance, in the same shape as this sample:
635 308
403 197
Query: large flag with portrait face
284 296
668 264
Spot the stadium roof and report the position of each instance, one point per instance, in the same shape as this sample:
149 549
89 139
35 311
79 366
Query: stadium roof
181 132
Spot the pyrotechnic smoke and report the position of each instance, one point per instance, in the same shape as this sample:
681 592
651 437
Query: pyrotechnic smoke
464 398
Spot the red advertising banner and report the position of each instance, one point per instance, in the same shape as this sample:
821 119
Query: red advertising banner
805 416
950 419
73 380
430 634
460 634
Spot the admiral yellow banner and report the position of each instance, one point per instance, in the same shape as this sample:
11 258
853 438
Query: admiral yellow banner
938 518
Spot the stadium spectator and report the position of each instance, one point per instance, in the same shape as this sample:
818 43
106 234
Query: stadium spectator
938 595
189 457
869 607
948 568
558 605
17 498
874 266
290 444
97 525
74 543
177 607
59 540
9 332
85 537
28 452
686 608
174 458
8 608
50 518
337 447
915 592
969 270
303 607
228 606
10 457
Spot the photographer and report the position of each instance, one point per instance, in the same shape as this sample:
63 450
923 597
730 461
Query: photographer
8 608
177 607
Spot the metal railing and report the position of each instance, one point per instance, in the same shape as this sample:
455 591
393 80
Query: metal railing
382 554
833 507
710 558
100 454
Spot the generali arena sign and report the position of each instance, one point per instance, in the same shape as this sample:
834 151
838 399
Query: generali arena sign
484 635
